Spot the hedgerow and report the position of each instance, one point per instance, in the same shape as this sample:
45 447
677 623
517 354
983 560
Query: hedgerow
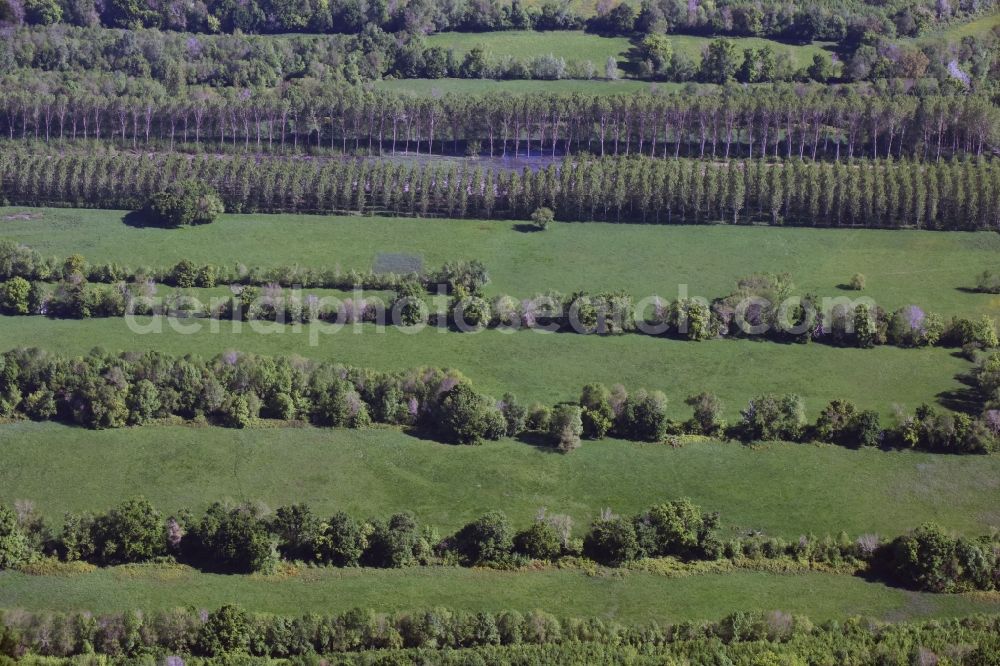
446 636
102 390
244 538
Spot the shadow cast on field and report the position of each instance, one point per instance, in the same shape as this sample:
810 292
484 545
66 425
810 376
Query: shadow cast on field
526 228
139 219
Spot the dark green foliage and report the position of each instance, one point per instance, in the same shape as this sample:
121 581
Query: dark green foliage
342 541
930 559
466 417
226 630
131 532
708 410
770 417
675 528
612 541
394 543
539 542
14 548
233 539
598 417
487 539
183 203
643 417
565 427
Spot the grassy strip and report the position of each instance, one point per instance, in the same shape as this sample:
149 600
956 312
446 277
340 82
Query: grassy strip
934 270
781 489
631 597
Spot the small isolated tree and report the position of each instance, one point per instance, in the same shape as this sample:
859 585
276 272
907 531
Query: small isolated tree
184 203
566 426
611 69
857 282
542 217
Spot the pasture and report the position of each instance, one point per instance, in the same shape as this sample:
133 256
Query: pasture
935 270
784 490
633 597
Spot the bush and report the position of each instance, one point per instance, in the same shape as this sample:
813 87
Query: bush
644 417
539 542
771 417
487 539
236 540
466 417
988 282
597 416
131 532
708 410
857 282
565 427
542 217
612 540
184 203
14 550
14 296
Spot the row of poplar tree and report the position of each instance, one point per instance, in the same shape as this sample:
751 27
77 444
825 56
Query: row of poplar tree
780 122
884 193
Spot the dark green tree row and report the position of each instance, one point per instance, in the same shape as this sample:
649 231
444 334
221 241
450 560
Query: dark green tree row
848 20
443 636
172 60
958 195
102 390
244 539
764 306
780 122
20 261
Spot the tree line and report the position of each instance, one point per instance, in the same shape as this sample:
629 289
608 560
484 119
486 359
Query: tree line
763 305
21 261
160 64
448 636
102 390
244 539
781 122
851 21
954 195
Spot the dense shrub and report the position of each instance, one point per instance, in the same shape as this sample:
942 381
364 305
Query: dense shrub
184 203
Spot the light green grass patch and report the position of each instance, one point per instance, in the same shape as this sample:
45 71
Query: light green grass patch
780 489
932 269
547 367
631 598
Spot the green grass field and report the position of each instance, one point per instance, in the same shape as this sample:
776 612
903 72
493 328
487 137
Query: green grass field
631 598
551 367
578 46
440 87
932 269
781 489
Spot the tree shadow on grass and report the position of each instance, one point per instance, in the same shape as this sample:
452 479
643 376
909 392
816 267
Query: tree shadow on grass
140 219
537 440
526 228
